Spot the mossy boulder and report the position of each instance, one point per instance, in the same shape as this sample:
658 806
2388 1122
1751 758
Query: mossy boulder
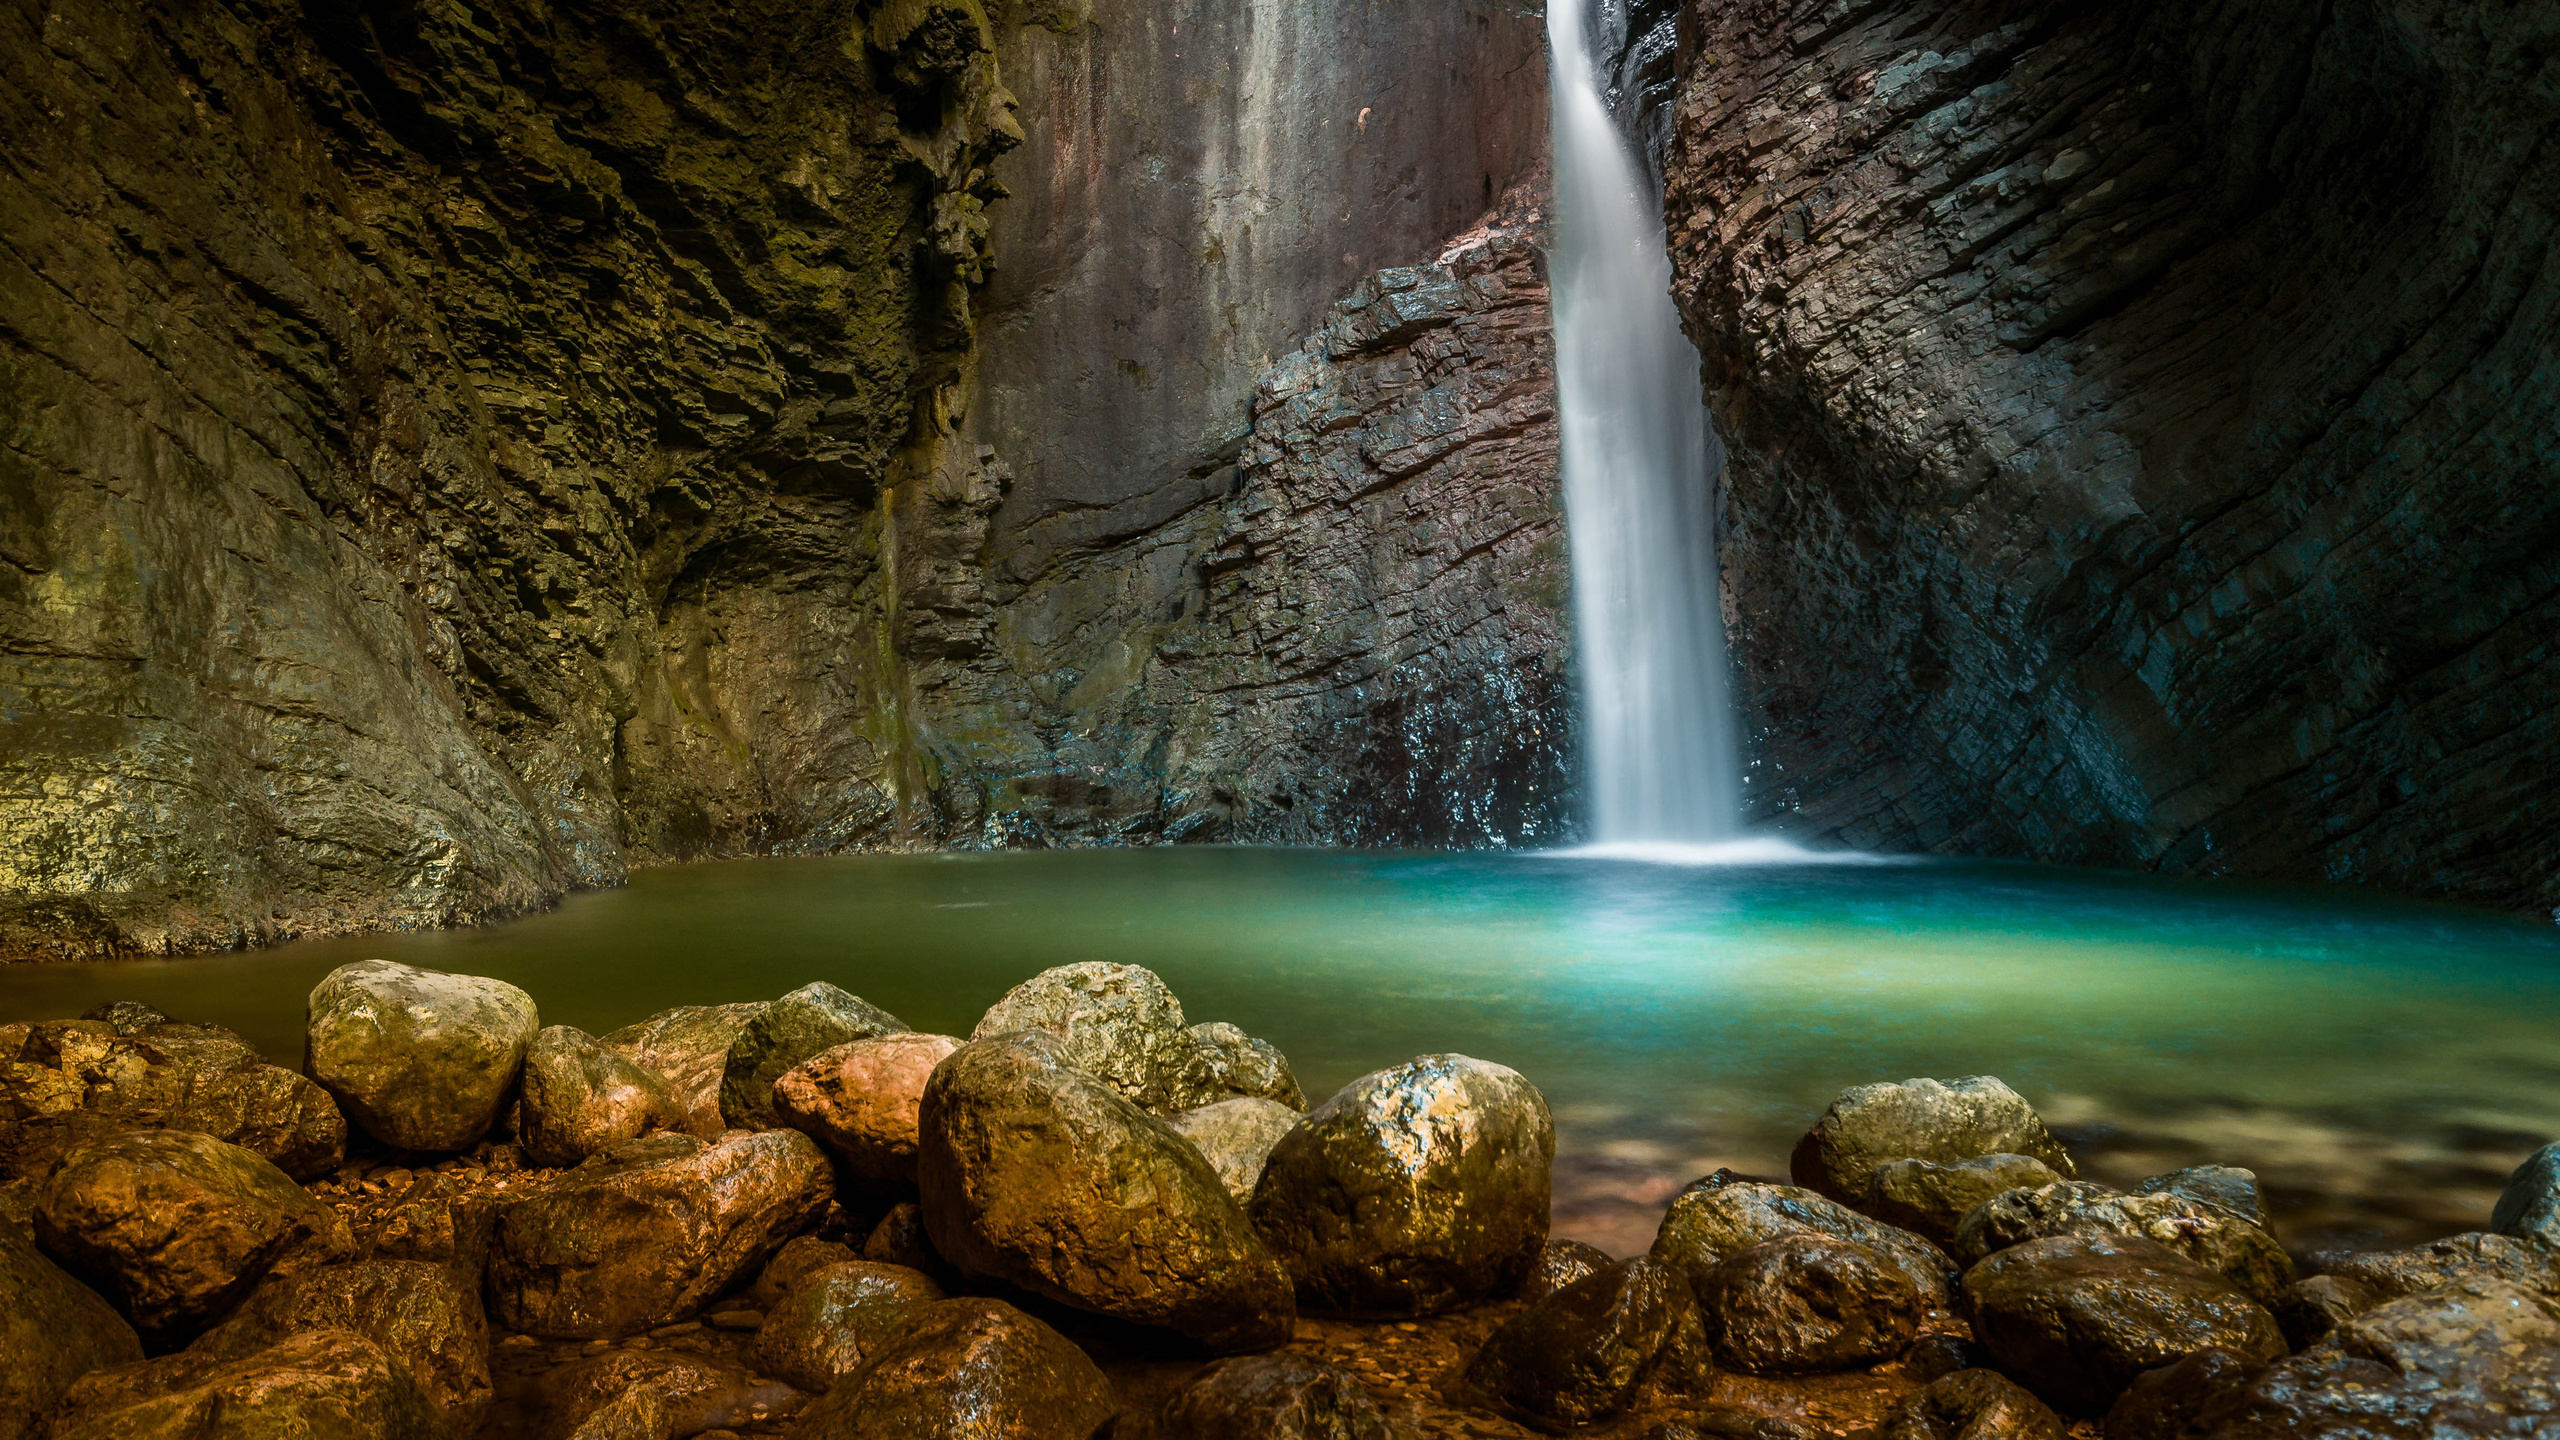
1413 1189
1236 1136
832 1320
419 1060
815 1017
2211 1236
580 1097
1938 1120
1033 1172
1930 1200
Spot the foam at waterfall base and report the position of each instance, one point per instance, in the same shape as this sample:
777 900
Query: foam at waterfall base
1745 850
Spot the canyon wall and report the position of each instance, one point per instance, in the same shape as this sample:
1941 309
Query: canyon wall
456 453
2144 433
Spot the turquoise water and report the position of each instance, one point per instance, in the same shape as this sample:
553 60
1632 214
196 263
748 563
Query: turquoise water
2381 1063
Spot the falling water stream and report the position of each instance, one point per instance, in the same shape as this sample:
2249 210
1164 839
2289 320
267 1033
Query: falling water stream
1639 470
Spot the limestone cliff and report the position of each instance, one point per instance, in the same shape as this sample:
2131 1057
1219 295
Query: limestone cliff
2142 426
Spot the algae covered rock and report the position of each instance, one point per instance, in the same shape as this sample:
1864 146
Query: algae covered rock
1266 1397
1938 1120
146 1071
971 1369
1235 1137
415 1311
2216 1238
1036 1173
1807 1303
53 1330
2078 1317
688 1047
1725 1214
859 1101
2227 1186
1976 1405
649 1231
580 1097
815 1017
1413 1189
1931 1200
1117 1023
2529 1208
332 1383
1560 1264
830 1321
1578 1355
1229 1064
419 1060
174 1228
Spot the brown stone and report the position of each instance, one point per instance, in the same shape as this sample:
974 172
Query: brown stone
859 1101
1976 1405
833 1320
688 1047
419 1059
53 1330
2216 1238
1268 1397
1807 1303
1931 1200
1936 1120
580 1098
1578 1355
157 1074
969 1370
1723 1214
318 1383
415 1311
2077 1318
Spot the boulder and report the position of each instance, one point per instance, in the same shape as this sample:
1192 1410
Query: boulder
797 1257
1413 1189
859 1099
1264 1397
648 1232
2188 1397
971 1369
2529 1208
1578 1355
900 1239
418 1059
1117 1023
1231 1065
580 1098
1939 1120
2078 1317
1808 1303
1037 1174
1560 1264
2216 1238
156 1074
2312 1308
126 1017
2475 1357
832 1320
332 1383
688 1047
812 1018
1975 1405
174 1228
1930 1200
654 1395
1235 1137
417 1312
2226 1186
1725 1214
53 1330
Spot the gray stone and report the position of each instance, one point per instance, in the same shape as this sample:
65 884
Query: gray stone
580 1098
969 1370
1034 1172
332 1383
174 1228
2228 1186
1267 1397
1577 1356
1976 1405
688 1047
1235 1137
815 1017
831 1321
2529 1208
1930 1200
1808 1303
2077 1318
650 1231
415 1311
2216 1238
1723 1215
420 1060
1937 1120
1413 1189
53 1330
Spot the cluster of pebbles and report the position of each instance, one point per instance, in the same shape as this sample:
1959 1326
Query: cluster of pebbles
1092 1218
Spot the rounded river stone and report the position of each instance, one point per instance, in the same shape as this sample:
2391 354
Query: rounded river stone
580 1097
812 1018
419 1060
971 1369
1808 1303
1941 1120
2078 1317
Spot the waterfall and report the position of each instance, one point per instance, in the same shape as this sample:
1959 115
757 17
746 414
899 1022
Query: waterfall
1639 471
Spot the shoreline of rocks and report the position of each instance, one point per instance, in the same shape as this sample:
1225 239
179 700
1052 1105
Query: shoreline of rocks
1092 1217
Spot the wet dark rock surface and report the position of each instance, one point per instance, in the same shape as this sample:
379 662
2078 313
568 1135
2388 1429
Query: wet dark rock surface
2139 428
1577 1355
53 1330
2078 1318
2217 1239
1810 1303
65 1081
1936 1120
1724 1214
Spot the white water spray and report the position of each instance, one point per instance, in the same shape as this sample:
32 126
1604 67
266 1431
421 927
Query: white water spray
1639 468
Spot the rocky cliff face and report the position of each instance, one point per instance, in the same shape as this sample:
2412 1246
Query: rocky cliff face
453 454
2141 425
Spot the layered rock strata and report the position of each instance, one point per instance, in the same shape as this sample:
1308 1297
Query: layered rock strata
2139 426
